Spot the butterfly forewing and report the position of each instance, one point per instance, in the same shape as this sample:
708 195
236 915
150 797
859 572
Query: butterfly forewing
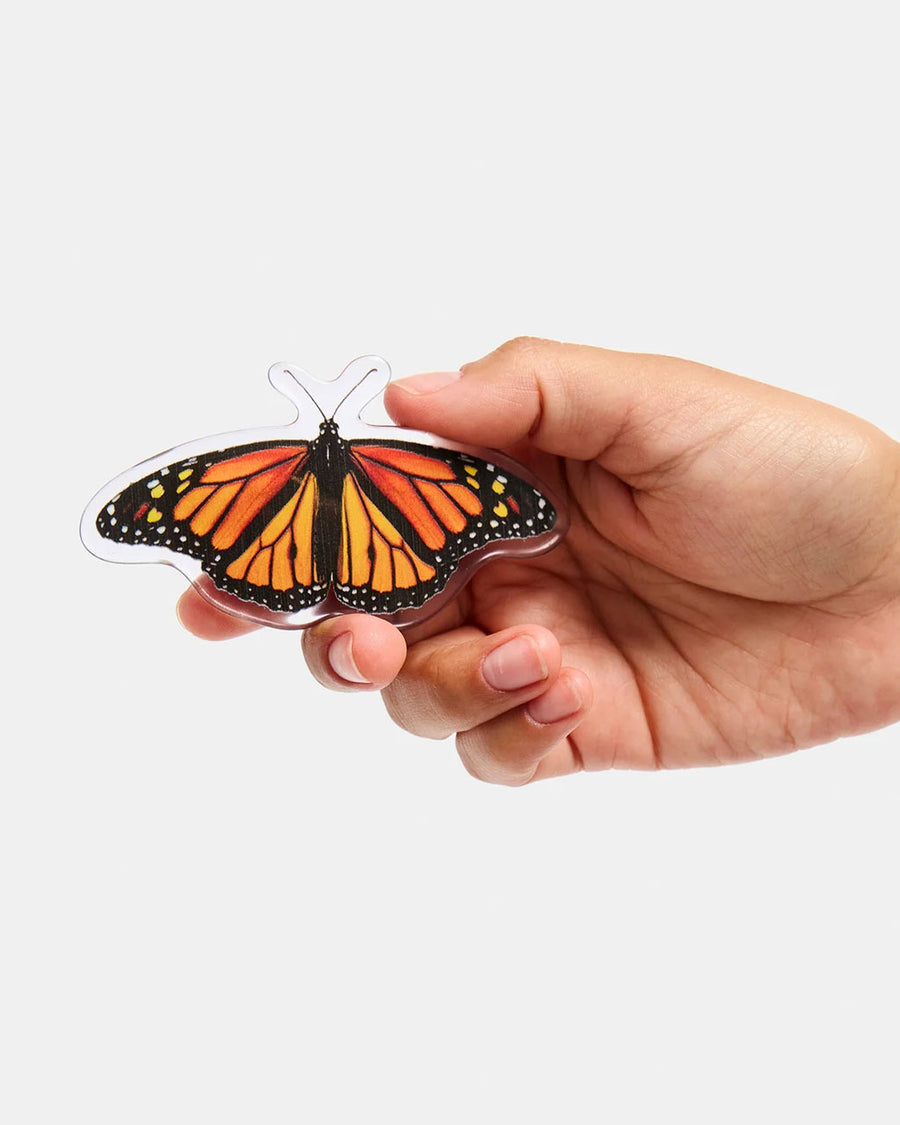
279 568
245 512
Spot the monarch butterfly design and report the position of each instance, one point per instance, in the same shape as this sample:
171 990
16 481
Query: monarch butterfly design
284 529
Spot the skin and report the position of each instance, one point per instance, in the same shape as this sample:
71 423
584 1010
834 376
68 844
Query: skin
729 588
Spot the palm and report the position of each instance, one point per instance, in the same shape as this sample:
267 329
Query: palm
692 672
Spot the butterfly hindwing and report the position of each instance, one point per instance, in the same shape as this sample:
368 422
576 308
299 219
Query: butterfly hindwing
377 568
278 567
411 513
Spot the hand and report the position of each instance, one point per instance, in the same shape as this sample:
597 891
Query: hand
729 588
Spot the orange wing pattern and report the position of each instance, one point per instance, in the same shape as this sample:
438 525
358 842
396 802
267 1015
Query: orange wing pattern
410 513
281 556
231 493
424 489
382 524
372 555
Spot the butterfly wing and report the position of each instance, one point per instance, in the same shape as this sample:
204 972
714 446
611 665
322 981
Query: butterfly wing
385 523
411 513
246 512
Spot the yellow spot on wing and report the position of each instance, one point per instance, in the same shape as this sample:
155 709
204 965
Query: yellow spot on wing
182 487
184 474
497 487
154 515
501 510
473 482
470 469
157 492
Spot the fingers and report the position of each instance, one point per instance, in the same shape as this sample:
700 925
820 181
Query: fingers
717 479
638 414
530 741
349 653
641 415
463 679
354 652
569 399
506 694
202 619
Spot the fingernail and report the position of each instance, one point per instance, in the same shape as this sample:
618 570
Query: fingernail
562 700
428 383
340 657
514 665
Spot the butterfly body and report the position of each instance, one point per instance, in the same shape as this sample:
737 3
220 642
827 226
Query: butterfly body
285 527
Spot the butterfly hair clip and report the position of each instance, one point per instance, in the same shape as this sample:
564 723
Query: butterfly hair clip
287 525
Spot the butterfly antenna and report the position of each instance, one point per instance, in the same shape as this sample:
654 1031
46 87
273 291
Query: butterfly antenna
310 397
371 371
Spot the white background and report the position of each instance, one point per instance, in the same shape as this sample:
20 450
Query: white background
229 896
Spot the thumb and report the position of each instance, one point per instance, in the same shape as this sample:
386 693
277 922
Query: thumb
570 399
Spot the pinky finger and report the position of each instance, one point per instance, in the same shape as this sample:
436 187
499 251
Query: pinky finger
529 742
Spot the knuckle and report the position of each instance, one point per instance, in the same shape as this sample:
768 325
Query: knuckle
313 643
472 764
432 693
485 765
409 709
522 348
436 693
